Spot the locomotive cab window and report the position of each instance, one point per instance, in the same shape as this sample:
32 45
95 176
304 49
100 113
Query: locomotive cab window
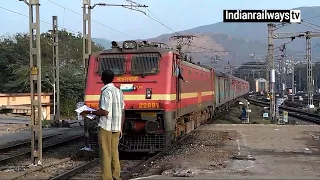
116 63
145 64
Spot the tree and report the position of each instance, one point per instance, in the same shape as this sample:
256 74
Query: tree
14 66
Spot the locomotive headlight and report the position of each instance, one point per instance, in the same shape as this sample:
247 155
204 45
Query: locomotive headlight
151 126
129 45
148 93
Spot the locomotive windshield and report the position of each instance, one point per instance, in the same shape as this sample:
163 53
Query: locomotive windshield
145 64
116 63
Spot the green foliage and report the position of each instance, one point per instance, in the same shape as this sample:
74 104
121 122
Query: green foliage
15 62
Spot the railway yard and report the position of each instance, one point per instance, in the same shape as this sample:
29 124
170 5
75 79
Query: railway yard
222 148
218 101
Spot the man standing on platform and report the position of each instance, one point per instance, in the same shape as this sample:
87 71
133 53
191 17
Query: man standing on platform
111 121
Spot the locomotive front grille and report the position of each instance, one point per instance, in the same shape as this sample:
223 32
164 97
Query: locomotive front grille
142 143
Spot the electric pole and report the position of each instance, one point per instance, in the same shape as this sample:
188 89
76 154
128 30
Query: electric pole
182 40
35 81
271 70
229 68
86 35
292 76
213 60
56 67
281 69
309 71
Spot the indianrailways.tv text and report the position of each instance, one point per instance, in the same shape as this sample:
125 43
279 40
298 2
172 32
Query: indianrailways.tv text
289 16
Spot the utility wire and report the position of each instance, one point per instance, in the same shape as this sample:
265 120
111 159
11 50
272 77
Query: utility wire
304 50
92 19
45 22
303 21
158 21
311 17
309 26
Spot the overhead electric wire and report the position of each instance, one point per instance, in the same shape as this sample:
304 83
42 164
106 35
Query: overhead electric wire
92 19
309 26
303 21
111 28
49 23
312 17
158 21
303 50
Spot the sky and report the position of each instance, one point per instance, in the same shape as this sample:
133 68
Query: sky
127 24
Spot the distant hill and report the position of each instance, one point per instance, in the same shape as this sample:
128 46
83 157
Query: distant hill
102 42
243 39
258 31
239 49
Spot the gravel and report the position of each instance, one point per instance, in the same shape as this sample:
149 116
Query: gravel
95 172
13 127
21 165
199 151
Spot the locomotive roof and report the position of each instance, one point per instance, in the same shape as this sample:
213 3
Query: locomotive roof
142 47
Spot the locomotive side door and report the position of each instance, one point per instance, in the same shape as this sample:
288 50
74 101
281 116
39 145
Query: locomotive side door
178 85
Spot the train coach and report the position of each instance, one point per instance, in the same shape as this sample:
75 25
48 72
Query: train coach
165 95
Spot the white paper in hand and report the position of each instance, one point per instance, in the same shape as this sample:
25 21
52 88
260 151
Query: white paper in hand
86 108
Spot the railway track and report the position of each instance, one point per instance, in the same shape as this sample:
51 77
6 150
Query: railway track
14 151
91 169
17 144
57 156
294 112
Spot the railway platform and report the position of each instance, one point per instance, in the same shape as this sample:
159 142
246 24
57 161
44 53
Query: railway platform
14 120
258 152
26 135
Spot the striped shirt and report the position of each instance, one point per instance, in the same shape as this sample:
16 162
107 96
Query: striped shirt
111 100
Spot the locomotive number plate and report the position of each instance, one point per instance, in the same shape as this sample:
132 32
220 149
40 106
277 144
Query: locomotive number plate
148 114
149 105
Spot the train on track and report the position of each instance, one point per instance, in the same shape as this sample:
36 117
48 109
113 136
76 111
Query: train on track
166 95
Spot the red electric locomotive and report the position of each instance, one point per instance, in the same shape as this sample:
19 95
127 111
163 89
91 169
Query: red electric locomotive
165 95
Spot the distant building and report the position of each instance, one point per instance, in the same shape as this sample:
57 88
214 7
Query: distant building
20 103
261 85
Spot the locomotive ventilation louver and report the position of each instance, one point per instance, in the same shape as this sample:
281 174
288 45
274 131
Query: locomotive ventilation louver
151 126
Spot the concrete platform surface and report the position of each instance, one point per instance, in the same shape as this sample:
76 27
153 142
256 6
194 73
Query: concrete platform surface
26 135
13 120
278 152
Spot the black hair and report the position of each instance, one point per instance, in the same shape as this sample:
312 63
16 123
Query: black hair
107 76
